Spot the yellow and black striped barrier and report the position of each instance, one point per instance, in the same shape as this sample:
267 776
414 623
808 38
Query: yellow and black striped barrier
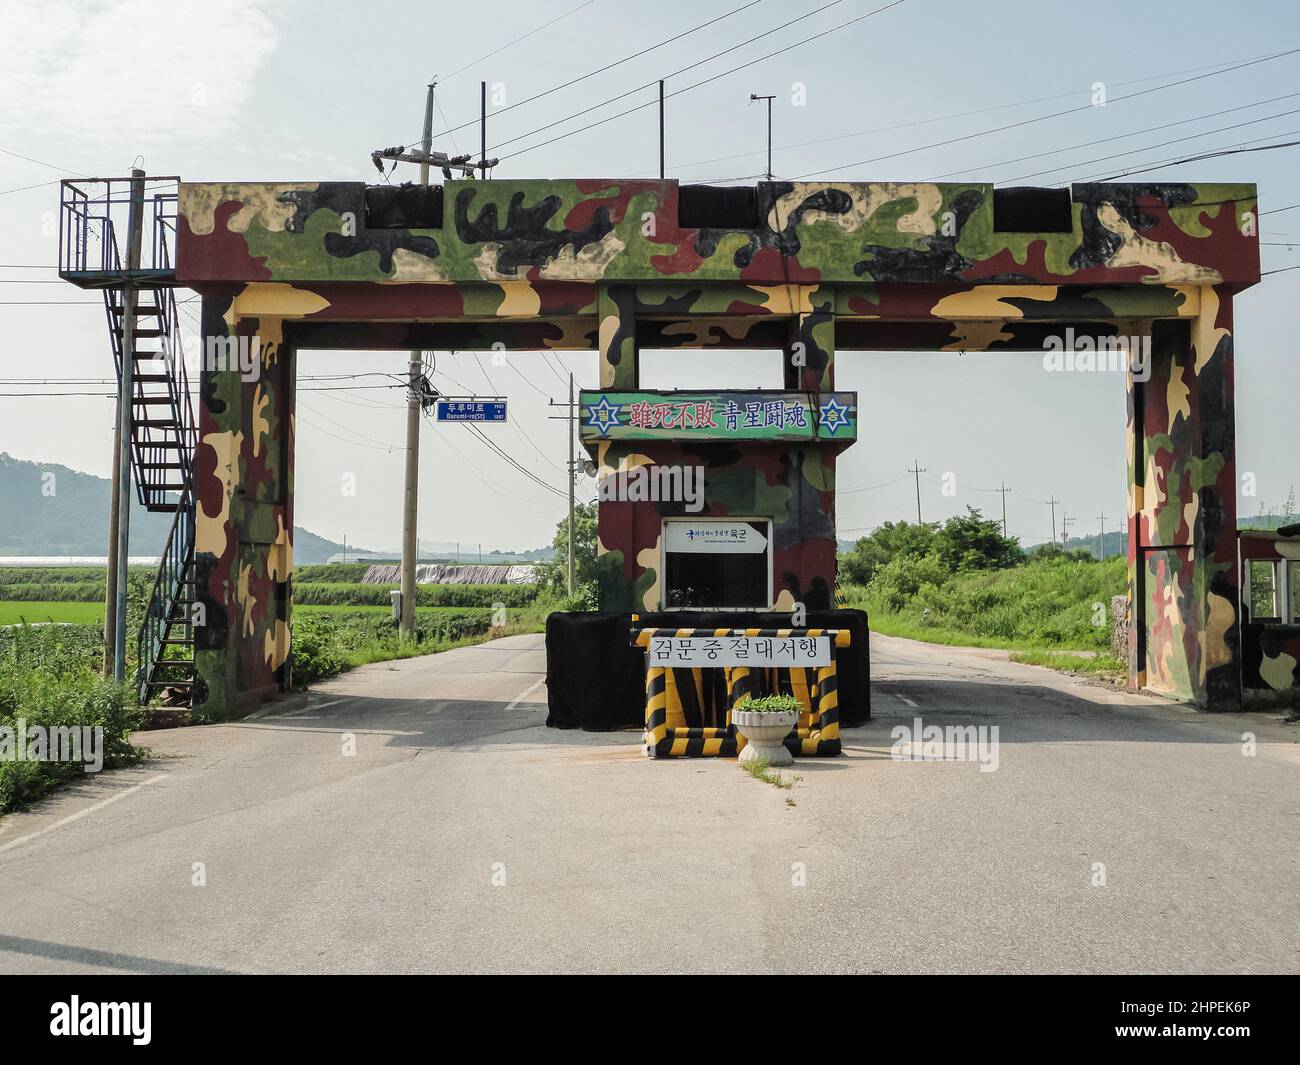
688 709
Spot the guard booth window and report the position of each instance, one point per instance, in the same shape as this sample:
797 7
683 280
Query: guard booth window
1265 601
717 564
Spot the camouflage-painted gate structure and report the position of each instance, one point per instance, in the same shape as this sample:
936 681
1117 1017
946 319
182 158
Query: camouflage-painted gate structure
620 266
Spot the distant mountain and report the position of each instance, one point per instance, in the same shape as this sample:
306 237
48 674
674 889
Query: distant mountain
48 509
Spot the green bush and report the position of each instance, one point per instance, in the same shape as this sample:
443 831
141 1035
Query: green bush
326 644
55 592
436 595
585 597
52 574
1051 602
332 572
315 649
48 677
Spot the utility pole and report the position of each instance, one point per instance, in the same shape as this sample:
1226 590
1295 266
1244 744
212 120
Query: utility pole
1066 520
119 516
1103 536
752 97
571 416
661 129
482 127
1052 501
573 476
414 409
917 469
1003 492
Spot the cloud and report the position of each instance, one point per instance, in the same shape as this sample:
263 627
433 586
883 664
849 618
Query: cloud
97 73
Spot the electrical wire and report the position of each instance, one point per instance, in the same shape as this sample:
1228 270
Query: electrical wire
1049 116
1117 137
610 66
698 84
667 77
524 37
948 118
1207 155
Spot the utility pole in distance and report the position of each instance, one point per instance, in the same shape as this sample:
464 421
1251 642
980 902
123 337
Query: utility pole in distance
573 476
1103 536
570 416
752 97
917 469
1066 521
1051 502
1003 493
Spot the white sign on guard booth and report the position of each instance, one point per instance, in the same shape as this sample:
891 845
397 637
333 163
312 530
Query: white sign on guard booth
689 651
714 538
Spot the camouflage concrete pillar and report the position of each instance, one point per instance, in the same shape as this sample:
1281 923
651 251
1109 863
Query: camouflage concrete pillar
616 313
809 359
243 511
1183 584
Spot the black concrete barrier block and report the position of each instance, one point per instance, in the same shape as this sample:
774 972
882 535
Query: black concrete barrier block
595 679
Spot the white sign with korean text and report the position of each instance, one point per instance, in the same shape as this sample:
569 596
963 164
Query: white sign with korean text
693 651
714 538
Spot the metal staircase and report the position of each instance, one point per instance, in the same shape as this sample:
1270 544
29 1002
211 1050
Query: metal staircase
162 431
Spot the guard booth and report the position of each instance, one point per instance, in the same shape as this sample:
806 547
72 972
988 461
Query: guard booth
1270 615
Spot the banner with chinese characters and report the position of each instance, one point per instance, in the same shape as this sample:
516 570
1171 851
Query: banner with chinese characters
830 416
694 651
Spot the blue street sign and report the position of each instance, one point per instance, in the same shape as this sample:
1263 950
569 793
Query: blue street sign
471 410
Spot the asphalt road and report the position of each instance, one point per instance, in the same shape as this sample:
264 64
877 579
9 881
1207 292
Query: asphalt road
462 835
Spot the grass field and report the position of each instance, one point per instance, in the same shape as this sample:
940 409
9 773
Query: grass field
15 613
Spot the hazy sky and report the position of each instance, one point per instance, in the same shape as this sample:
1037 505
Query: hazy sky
298 90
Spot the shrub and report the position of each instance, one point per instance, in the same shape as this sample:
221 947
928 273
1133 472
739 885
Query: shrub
48 678
436 595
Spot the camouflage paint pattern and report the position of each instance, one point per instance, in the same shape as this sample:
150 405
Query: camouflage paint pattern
792 484
605 266
1183 512
1270 652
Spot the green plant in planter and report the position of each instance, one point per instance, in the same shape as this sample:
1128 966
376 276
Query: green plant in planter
771 704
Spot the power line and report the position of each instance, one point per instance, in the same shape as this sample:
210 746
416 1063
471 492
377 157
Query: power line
475 431
698 84
511 44
610 66
1047 117
1208 155
958 114
676 73
1117 137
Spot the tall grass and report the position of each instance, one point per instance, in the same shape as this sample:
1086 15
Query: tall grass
49 677
1061 604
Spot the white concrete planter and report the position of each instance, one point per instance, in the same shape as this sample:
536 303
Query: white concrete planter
764 733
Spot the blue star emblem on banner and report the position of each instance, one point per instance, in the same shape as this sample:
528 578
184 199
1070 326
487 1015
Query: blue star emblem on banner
603 415
832 415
